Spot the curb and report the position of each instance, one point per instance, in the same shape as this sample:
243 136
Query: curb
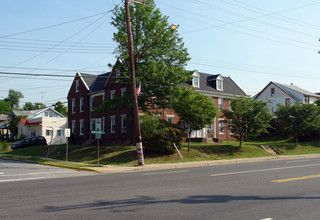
70 167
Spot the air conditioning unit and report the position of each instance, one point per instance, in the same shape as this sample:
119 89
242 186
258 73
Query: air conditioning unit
123 130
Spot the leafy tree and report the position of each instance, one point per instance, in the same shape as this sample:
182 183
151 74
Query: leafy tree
13 126
14 98
5 107
248 118
29 106
160 56
195 110
61 108
317 102
299 119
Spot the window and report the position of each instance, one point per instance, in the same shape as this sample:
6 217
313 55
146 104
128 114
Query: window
170 119
91 103
103 123
93 125
60 133
81 126
73 106
73 127
112 94
220 103
123 123
77 85
195 81
123 91
219 84
113 124
221 127
49 132
230 107
306 99
272 91
287 102
81 105
117 75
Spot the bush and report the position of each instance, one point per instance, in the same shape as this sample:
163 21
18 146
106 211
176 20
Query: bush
158 136
4 145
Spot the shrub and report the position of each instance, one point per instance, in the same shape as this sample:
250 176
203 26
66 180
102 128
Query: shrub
4 145
158 136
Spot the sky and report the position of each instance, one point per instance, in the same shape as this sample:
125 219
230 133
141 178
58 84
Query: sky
251 41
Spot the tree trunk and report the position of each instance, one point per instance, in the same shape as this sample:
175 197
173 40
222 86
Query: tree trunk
296 141
240 139
189 141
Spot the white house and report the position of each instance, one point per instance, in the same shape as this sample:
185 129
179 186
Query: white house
44 122
277 93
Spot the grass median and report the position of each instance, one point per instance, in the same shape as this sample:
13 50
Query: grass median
86 156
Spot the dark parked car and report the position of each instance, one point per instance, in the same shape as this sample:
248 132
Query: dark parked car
27 142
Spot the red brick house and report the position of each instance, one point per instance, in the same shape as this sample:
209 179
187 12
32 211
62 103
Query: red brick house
88 91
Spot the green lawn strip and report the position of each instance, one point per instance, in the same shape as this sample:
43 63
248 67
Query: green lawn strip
127 155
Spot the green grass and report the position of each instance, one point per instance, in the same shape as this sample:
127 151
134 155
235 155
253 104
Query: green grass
127 156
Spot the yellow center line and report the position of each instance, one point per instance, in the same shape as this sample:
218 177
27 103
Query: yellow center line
297 178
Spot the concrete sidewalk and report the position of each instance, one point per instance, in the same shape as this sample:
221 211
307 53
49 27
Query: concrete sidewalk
123 169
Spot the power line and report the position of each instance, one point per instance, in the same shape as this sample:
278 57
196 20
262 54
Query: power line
51 26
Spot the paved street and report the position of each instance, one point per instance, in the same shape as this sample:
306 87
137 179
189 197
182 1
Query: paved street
283 189
13 171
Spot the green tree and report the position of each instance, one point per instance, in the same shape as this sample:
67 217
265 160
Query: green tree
13 126
160 68
29 106
61 108
195 110
248 118
14 98
5 107
299 119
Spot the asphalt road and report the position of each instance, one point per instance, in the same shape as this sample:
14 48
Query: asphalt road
286 189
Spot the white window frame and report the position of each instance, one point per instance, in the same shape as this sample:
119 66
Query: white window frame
112 94
219 84
196 81
50 131
60 133
123 91
112 124
81 126
77 85
73 106
221 128
220 103
170 119
92 103
81 104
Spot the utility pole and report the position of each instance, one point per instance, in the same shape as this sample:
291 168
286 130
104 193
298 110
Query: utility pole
133 82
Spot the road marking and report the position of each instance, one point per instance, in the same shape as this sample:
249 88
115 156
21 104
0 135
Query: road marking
297 161
39 173
266 219
263 170
1 173
296 178
23 179
160 173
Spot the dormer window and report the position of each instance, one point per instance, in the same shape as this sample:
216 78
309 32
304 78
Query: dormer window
196 79
219 83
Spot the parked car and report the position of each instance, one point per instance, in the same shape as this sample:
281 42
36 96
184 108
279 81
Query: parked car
27 142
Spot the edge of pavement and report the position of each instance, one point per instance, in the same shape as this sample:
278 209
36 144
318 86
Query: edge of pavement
148 167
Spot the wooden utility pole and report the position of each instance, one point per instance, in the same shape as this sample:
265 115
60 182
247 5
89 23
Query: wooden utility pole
136 122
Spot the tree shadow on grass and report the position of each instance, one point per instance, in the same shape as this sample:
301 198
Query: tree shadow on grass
121 158
141 201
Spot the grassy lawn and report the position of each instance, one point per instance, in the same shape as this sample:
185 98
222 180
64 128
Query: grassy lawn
126 155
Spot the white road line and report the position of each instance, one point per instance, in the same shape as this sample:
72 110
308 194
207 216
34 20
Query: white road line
1 173
23 179
161 173
266 219
262 170
297 161
39 173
